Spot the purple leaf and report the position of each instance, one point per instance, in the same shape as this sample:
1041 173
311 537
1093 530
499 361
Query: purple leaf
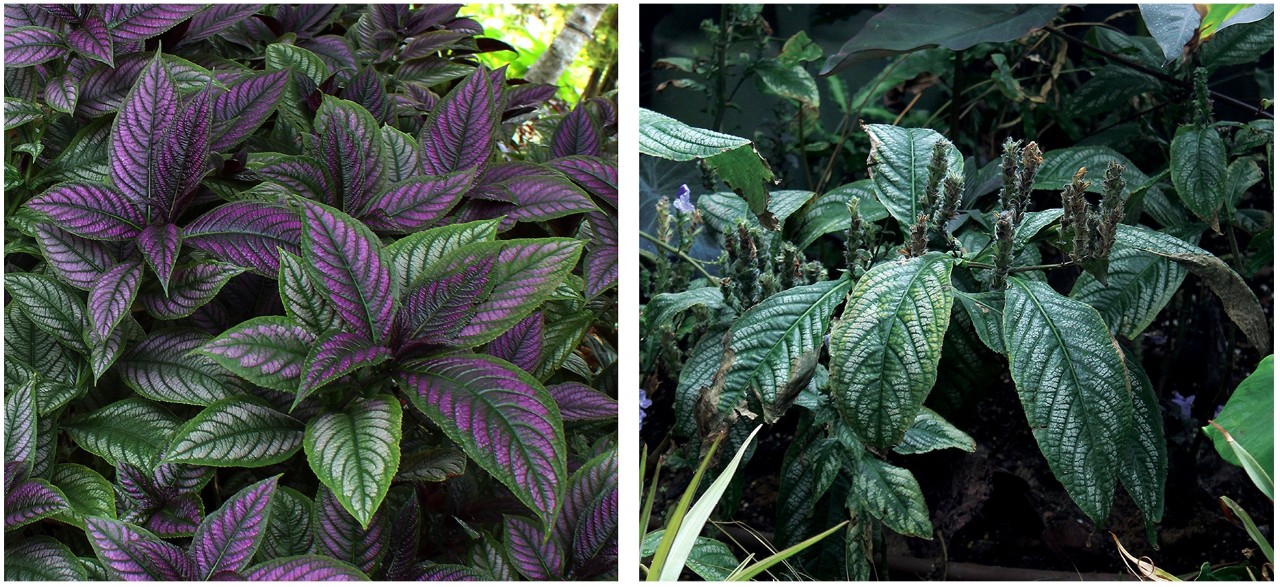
159 244
576 135
366 90
304 568
247 234
90 210
501 417
418 202
437 309
429 571
334 51
268 351
133 554
182 160
525 275
227 538
178 517
245 105
335 355
596 175
535 558
342 538
41 558
215 19
301 175
138 133
601 263
190 288
352 268
587 495
26 46
61 94
111 297
351 148
19 15
93 40
135 22
491 184
544 198
406 534
430 43
579 402
529 95
104 88
597 525
522 344
461 130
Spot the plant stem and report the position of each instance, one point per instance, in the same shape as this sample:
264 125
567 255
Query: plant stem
722 53
681 254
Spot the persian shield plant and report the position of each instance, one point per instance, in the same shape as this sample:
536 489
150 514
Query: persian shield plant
302 293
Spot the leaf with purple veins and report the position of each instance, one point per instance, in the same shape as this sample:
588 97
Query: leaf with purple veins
526 273
501 417
578 402
267 351
93 40
545 198
111 297
227 538
133 554
460 131
182 160
215 19
25 46
601 265
334 355
248 234
245 105
521 345
41 558
135 22
61 94
418 202
342 537
590 484
351 269
351 147
535 558
75 260
190 287
305 568
576 135
92 211
31 501
437 309
138 133
596 175
159 244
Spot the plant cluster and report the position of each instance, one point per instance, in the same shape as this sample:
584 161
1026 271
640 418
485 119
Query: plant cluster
841 311
302 292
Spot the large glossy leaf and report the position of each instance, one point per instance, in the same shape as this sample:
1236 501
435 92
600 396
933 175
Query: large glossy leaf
236 432
351 269
248 234
42 559
162 367
580 522
892 495
521 345
829 213
111 298
138 133
1071 379
906 28
596 175
344 538
227 538
1139 283
1171 25
1198 166
51 307
899 168
304 568
886 347
88 493
460 131
90 210
525 273
131 553
576 135
355 453
1145 457
130 431
501 417
31 501
267 351
414 254
160 244
930 432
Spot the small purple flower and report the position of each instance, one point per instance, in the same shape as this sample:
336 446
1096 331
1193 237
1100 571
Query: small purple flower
1184 404
682 202
645 403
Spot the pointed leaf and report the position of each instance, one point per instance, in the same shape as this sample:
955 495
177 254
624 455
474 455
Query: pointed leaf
130 431
1198 165
413 254
289 528
501 417
544 198
576 135
300 174
42 559
240 110
356 452
247 234
138 133
302 301
267 351
135 22
342 537
75 260
31 501
536 559
1139 283
18 112
177 518
1145 457
601 268
90 210
162 367
899 168
31 45
578 402
61 94
93 40
437 309
336 355
892 495
236 432
886 347
1071 379
304 568
88 493
930 432
51 307
597 479
596 175
461 130
191 287
525 273
400 155
405 540
20 424
434 465
227 538
352 269
159 244
111 298
418 202
521 345
183 161
351 150
133 554
39 356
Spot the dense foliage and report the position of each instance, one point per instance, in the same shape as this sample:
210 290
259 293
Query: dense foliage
860 318
302 292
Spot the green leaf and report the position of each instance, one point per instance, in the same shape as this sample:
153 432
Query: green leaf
930 432
1245 43
1248 416
1198 161
899 168
20 424
1062 164
18 112
986 311
27 345
302 301
698 374
710 559
1071 379
1145 458
52 307
356 452
829 213
1237 297
664 307
886 347
413 254
1139 283
131 431
281 56
289 527
773 348
267 351
809 468
561 336
41 558
892 495
792 82
164 367
236 432
1111 89
434 465
722 210
88 493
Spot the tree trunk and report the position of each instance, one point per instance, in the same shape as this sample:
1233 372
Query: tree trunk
562 51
